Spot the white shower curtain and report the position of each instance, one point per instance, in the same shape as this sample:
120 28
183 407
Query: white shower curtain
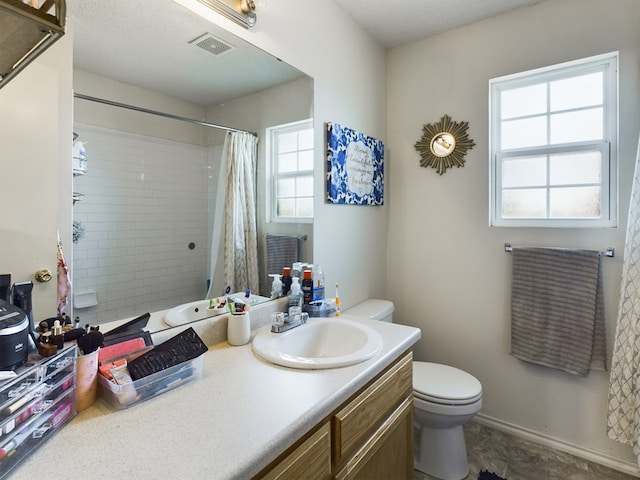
240 236
623 422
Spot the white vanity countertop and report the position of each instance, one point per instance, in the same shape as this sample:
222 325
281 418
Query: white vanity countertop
230 423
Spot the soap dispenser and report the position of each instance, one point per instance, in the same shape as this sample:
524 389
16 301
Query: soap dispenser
295 298
276 286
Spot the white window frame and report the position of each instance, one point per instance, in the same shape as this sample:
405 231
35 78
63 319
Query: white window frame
608 146
272 173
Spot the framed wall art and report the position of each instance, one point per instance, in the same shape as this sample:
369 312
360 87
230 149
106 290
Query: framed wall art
355 167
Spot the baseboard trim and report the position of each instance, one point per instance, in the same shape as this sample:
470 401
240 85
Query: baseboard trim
614 463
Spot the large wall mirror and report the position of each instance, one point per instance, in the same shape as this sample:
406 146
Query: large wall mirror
147 211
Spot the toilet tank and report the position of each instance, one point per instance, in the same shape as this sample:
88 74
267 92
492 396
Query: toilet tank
373 308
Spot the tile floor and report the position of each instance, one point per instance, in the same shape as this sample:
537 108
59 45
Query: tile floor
517 459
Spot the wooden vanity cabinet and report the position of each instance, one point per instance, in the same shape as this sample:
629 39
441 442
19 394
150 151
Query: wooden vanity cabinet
373 433
369 437
388 453
311 460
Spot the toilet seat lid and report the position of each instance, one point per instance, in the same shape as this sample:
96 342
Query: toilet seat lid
444 384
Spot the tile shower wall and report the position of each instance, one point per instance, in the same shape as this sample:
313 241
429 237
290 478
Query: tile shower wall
145 201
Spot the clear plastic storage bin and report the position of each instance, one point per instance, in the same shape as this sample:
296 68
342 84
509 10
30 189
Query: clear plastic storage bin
123 396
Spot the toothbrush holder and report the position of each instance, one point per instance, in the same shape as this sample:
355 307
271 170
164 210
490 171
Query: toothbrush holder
239 328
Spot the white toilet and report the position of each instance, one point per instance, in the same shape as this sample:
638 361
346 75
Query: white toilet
444 399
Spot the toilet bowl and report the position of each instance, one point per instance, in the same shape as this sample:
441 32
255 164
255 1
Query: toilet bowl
445 398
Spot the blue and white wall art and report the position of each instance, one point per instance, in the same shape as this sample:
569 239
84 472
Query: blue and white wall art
355 167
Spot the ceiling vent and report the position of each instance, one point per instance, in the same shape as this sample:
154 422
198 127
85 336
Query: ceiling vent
212 44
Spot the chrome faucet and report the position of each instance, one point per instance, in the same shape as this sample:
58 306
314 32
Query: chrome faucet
283 321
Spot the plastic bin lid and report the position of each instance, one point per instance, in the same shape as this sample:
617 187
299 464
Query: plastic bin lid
372 308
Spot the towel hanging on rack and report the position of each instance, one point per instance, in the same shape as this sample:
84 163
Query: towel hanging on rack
282 251
557 309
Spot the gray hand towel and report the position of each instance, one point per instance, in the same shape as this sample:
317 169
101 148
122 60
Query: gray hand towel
557 309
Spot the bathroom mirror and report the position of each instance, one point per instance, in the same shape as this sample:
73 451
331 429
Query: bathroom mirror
444 144
147 53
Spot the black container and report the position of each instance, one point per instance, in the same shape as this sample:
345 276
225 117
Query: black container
14 336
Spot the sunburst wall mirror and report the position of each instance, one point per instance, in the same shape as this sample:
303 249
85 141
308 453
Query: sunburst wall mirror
444 144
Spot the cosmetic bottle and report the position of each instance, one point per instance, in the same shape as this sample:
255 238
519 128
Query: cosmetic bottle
286 280
307 287
45 347
57 338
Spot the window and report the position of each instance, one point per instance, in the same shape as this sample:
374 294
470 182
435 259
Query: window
553 145
291 186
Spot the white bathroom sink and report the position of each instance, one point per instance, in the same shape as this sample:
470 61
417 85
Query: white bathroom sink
320 343
198 310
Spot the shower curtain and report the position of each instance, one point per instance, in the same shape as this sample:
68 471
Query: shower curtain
240 235
623 422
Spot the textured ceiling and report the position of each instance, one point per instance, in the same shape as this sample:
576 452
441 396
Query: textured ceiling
397 22
146 42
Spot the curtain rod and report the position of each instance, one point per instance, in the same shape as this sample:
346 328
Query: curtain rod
609 252
160 114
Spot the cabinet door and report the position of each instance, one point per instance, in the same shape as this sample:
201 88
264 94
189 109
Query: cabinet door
388 453
311 460
354 424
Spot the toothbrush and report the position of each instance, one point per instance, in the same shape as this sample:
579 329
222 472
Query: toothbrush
226 294
337 301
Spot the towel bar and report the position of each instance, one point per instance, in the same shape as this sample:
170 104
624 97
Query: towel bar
299 237
609 252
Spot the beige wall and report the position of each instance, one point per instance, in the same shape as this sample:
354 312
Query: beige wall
350 242
448 272
106 116
35 134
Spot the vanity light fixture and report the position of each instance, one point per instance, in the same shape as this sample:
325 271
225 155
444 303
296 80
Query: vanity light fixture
242 12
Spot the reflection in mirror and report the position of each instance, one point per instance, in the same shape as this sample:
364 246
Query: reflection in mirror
149 214
443 144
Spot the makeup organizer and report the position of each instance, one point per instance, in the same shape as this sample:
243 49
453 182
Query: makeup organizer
34 404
